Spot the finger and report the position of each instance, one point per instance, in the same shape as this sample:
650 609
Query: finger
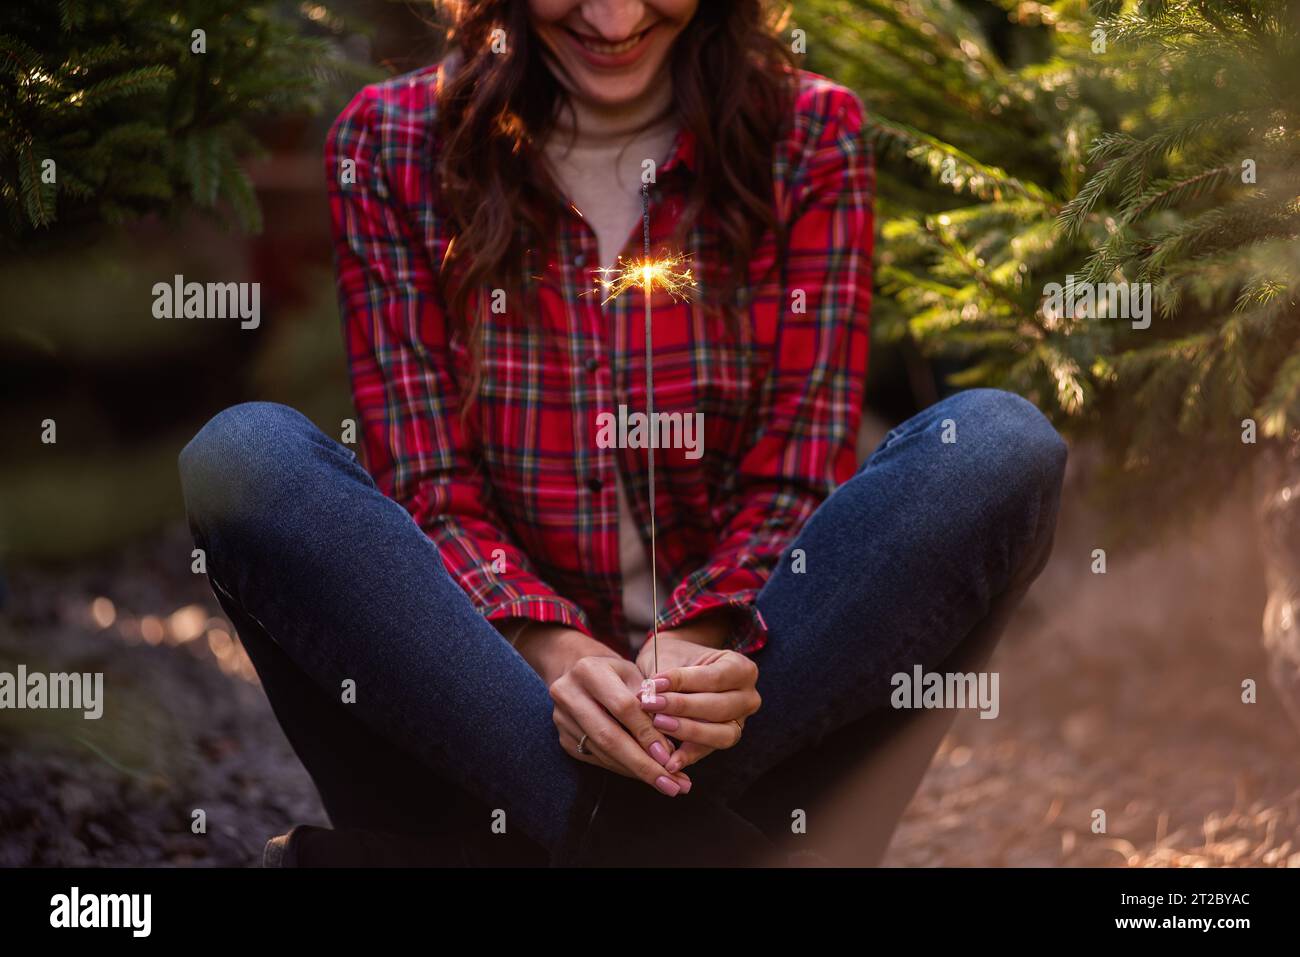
710 734
613 694
729 672
677 775
571 736
580 694
607 738
705 705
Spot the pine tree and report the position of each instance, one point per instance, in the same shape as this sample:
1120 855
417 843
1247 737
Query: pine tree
976 159
1122 143
112 110
1204 208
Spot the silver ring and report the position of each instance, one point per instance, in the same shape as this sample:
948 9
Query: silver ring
582 746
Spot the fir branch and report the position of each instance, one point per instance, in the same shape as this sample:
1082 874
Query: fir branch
38 197
1129 161
981 180
1175 192
115 96
17 59
145 79
967 263
1217 228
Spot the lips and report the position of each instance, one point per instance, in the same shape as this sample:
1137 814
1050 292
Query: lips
603 53
611 49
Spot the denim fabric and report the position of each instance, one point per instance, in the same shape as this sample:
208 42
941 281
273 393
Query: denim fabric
931 542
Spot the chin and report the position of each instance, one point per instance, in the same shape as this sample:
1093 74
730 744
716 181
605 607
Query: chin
612 89
611 94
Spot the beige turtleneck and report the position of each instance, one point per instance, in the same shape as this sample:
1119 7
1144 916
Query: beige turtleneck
599 168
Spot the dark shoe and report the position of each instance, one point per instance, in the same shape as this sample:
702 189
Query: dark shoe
282 851
630 825
308 846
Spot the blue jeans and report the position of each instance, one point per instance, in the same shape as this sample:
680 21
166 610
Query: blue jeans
917 559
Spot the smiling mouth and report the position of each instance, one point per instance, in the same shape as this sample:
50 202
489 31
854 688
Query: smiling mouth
603 48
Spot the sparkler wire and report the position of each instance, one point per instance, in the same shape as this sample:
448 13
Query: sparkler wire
650 417
669 273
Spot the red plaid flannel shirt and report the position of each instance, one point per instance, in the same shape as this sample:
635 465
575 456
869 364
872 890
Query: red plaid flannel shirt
520 500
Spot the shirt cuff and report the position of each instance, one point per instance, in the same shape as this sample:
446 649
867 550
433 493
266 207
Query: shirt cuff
748 635
539 608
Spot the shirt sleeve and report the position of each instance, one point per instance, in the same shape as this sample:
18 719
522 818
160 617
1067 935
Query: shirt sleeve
400 366
810 405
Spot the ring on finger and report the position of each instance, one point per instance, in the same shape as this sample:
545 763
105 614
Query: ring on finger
582 745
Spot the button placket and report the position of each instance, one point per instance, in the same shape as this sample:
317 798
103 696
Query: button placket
600 481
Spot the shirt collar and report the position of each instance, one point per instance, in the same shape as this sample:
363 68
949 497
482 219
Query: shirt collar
682 153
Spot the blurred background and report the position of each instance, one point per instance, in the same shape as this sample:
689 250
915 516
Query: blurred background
1016 145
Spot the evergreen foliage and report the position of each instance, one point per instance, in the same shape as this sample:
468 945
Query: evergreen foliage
133 118
1123 143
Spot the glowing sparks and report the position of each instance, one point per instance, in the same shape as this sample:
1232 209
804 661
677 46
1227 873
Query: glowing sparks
666 273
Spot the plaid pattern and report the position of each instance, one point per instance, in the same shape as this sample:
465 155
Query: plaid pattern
520 501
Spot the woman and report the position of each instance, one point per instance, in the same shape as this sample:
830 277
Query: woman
454 638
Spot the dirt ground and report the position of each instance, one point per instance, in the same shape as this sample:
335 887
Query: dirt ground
1119 692
1123 692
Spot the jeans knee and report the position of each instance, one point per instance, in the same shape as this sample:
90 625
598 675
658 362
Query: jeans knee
236 454
1016 437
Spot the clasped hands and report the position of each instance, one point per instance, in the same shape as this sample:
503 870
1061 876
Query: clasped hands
702 696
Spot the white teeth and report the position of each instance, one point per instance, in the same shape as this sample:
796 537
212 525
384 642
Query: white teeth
610 49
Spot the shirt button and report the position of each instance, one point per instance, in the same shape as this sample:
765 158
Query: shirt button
580 260
592 364
595 483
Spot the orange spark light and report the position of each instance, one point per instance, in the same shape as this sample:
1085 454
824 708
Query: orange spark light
666 273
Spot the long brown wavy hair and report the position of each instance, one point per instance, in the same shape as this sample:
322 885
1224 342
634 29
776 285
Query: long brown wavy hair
732 85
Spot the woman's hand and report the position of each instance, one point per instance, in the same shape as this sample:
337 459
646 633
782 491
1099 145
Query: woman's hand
702 696
686 644
596 696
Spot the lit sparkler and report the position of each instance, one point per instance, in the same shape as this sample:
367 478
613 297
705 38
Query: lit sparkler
665 273
668 274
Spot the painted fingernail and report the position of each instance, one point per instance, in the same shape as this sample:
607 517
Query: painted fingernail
659 752
666 723
654 702
662 684
667 785
686 786
674 764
